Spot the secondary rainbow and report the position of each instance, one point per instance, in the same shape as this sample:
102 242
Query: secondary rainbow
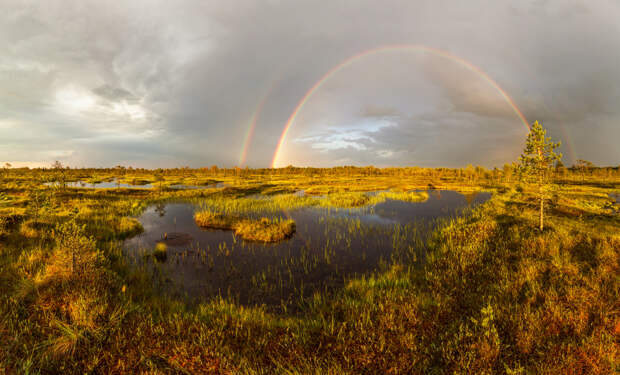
250 132
354 58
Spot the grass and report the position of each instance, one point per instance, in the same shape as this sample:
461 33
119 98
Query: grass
209 219
411 196
494 296
261 230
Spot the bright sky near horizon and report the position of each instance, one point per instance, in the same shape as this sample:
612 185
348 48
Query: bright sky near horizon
165 84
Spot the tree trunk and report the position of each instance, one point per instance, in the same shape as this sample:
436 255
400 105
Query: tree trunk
542 199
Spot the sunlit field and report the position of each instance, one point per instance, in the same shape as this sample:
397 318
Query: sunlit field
394 187
302 270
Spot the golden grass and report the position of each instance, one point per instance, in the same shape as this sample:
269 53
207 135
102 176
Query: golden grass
265 230
411 196
262 230
495 295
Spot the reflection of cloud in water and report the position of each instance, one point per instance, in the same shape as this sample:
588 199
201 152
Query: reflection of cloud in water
330 245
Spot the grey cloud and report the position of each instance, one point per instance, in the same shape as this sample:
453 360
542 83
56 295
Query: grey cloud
175 83
113 93
379 111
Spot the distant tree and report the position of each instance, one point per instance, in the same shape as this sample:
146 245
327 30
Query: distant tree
507 169
584 166
159 177
6 168
560 169
38 198
120 170
470 172
537 161
59 170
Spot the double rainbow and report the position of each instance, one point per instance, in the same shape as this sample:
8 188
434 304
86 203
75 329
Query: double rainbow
352 59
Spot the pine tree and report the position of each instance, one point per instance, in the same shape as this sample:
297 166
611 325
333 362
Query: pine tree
537 161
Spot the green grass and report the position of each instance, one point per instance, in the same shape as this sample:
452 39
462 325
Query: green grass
494 296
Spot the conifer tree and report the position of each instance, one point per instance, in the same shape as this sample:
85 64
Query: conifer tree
538 160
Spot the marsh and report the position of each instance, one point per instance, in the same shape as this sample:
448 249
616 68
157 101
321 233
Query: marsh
330 245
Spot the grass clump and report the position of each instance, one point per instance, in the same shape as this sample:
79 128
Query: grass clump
263 230
347 200
213 220
160 253
410 196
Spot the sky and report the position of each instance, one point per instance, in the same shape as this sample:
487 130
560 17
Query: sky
197 83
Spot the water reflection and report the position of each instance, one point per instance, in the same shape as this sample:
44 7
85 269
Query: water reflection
330 245
116 184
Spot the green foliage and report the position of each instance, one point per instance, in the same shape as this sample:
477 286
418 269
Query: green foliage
538 160
75 249
539 156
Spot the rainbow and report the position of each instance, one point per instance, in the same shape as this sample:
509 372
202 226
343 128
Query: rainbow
250 132
354 58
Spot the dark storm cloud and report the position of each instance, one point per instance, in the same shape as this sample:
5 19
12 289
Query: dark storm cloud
157 83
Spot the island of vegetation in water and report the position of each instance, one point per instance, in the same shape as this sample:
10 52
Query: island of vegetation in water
262 230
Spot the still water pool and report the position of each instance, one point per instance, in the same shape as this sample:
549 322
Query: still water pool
116 184
329 247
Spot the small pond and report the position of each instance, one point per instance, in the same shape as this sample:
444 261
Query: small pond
329 247
116 184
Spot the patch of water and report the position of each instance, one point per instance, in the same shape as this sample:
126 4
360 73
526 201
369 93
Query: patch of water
116 184
329 246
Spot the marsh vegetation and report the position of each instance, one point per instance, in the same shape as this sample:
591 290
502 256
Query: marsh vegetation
111 280
260 230
278 262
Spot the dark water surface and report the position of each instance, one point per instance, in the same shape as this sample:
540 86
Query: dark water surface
329 247
115 184
101 185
